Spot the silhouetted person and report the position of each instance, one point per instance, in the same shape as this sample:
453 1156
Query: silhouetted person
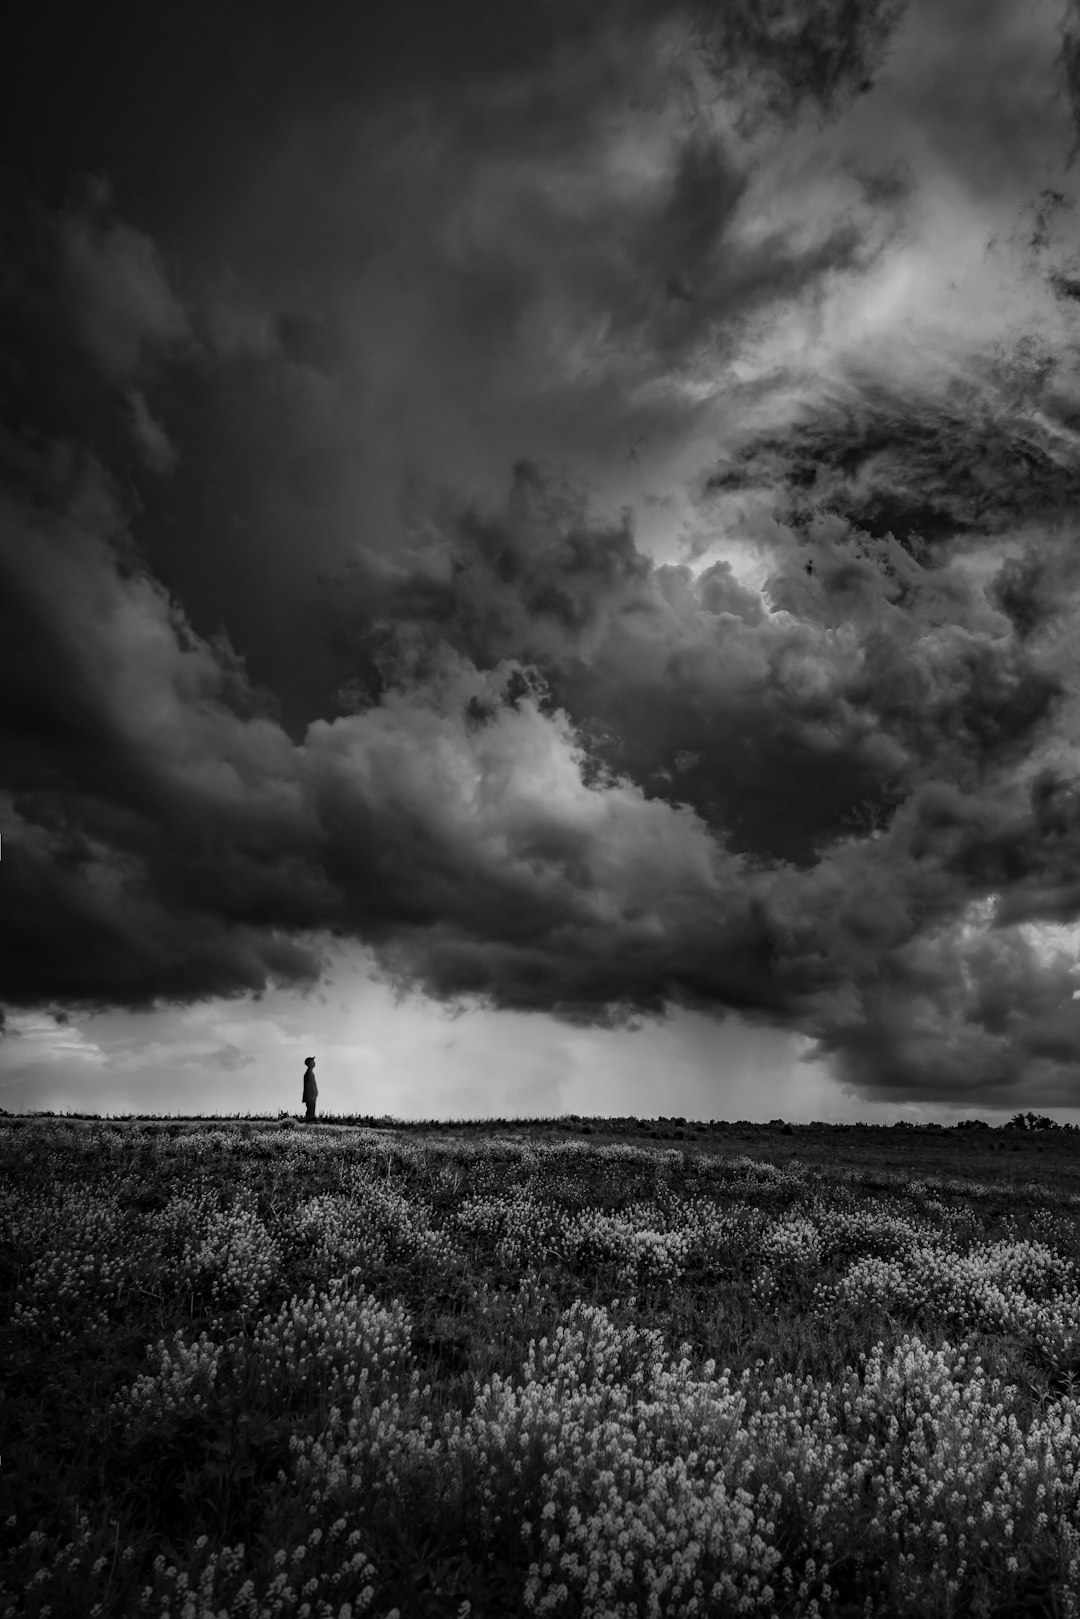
311 1090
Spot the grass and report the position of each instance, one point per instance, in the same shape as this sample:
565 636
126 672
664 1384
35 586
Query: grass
574 1367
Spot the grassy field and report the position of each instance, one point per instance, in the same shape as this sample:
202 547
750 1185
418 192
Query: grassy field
581 1367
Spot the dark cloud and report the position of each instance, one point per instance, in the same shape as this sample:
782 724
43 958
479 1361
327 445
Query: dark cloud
449 822
476 216
322 613
924 471
115 290
1070 67
823 51
133 112
688 686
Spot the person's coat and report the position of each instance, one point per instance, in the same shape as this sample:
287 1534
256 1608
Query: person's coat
311 1090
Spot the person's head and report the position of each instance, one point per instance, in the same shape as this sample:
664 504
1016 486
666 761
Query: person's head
310 1061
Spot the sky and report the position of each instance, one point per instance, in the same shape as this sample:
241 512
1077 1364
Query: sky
539 559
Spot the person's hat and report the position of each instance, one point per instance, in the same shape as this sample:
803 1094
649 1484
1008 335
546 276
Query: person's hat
309 1060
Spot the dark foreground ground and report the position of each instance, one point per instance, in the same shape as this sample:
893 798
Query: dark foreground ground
185 1303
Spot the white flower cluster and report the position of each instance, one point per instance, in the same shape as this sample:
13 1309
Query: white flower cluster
326 1348
663 1491
237 1256
532 1231
517 1221
630 1239
1019 1288
226 1254
82 1255
400 1226
182 1381
299 1589
340 1232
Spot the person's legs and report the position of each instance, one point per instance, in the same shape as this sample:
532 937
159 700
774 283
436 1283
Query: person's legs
311 1112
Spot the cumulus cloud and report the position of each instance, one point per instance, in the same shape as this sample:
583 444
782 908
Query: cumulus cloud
459 824
109 693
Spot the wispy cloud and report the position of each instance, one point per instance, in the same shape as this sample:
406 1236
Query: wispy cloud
33 1038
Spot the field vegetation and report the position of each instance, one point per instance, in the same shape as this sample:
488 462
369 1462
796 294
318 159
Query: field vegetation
595 1368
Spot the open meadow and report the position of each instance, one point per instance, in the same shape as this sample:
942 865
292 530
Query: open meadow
575 1368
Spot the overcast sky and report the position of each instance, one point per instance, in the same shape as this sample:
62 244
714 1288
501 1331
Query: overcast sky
540 559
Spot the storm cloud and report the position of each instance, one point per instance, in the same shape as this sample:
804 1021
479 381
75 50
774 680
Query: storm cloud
585 510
